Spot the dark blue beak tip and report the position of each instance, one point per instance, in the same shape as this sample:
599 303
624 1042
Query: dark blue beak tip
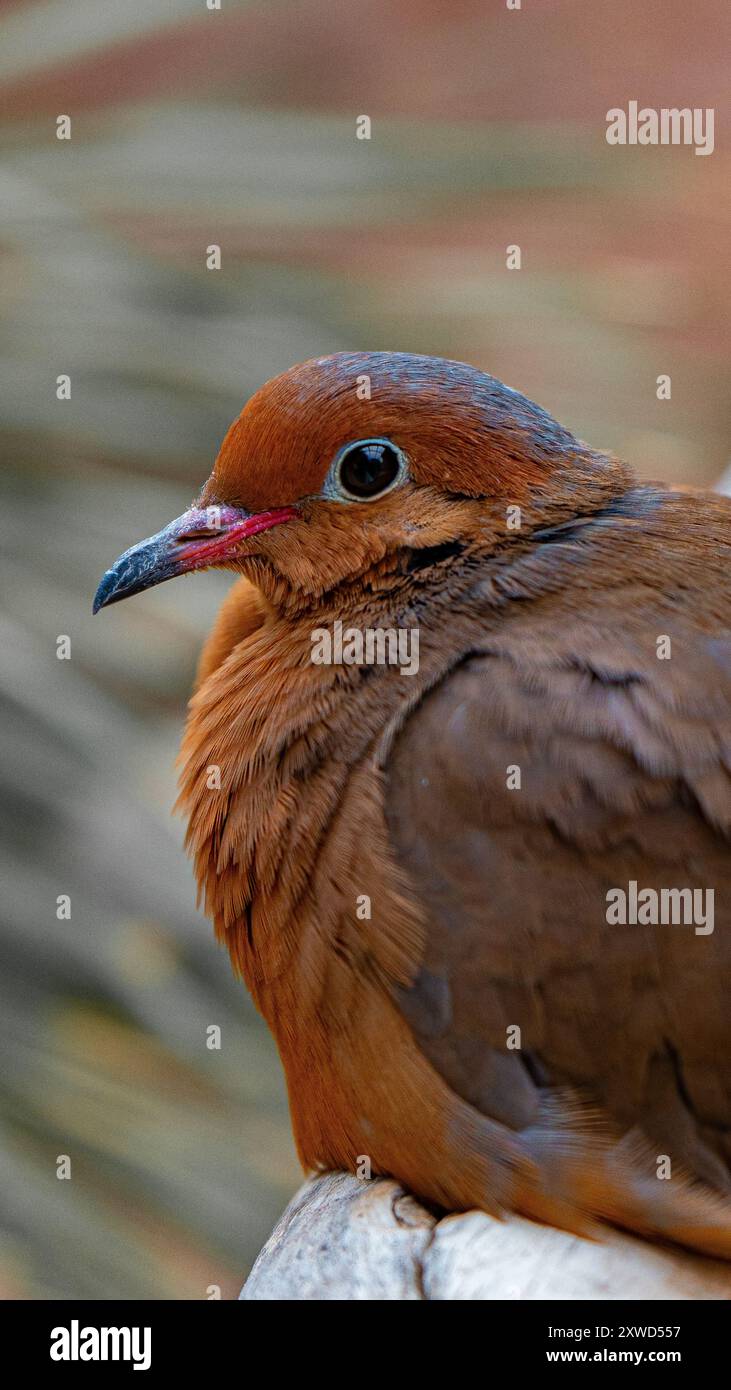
147 563
141 567
103 593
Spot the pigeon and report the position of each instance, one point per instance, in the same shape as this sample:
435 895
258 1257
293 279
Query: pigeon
457 781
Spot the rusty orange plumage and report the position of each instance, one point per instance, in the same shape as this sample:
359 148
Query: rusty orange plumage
539 575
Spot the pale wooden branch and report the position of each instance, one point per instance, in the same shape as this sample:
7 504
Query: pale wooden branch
340 1238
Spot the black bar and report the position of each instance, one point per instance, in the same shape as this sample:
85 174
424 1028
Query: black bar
212 1338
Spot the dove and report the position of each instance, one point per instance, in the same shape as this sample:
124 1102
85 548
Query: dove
418 853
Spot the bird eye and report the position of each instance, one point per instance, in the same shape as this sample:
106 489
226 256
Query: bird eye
367 469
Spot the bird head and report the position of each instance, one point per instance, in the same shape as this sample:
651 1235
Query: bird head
365 470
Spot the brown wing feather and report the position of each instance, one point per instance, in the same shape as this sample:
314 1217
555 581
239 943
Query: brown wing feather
624 775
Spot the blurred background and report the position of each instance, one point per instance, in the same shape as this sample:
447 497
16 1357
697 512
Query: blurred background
192 127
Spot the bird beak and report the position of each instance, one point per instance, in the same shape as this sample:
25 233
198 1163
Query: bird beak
201 537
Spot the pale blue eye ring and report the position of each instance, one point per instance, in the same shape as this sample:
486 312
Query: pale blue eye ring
365 470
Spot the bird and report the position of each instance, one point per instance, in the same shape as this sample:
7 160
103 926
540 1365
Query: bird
419 868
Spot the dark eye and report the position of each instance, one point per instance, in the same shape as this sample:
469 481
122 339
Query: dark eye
367 468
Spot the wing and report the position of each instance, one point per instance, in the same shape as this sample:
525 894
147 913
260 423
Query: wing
562 763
